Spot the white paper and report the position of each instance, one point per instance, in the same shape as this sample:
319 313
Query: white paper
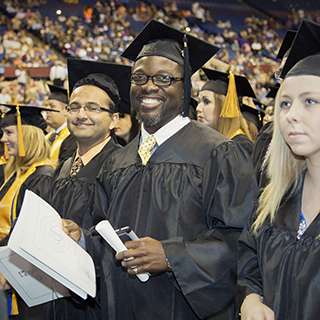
107 232
38 238
33 285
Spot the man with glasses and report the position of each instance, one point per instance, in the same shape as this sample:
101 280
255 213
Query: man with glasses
185 190
98 92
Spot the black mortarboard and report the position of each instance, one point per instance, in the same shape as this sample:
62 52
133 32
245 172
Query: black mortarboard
192 109
29 116
112 78
306 66
159 39
273 90
58 93
252 114
306 43
286 43
219 83
23 115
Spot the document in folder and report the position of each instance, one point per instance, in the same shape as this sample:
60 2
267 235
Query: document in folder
38 238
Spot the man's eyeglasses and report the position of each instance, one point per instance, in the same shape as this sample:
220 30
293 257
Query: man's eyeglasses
89 107
158 80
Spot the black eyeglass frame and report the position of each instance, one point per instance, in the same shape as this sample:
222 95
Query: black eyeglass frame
69 109
153 78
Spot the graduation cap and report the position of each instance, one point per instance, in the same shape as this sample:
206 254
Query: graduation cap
231 86
306 43
286 43
219 83
58 93
273 90
159 39
254 115
23 115
110 77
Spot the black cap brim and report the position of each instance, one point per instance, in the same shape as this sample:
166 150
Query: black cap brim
29 116
58 93
199 51
273 91
306 43
253 115
243 86
120 74
286 43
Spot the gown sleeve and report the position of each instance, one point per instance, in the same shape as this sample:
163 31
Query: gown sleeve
249 279
206 267
39 183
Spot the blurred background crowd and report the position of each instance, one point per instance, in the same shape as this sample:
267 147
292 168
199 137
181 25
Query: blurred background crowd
37 36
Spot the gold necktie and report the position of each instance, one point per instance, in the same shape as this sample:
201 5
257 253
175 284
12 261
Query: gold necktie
145 148
76 167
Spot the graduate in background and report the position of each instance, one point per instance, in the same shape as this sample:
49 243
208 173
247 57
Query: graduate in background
63 144
98 91
219 107
278 267
28 167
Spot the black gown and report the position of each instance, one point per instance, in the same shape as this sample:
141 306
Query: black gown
39 182
68 147
282 269
194 195
259 152
244 142
73 197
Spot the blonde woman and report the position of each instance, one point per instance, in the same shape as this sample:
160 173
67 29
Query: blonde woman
219 108
278 265
28 167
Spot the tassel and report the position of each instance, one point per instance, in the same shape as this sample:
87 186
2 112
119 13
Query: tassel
22 152
12 303
231 108
187 78
6 153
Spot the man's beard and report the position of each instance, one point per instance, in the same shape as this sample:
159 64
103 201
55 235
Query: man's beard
149 121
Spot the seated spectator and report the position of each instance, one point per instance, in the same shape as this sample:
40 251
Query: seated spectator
5 96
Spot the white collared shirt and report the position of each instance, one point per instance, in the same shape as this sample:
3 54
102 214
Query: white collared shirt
61 128
166 131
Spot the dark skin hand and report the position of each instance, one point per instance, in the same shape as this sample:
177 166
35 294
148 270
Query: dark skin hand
148 256
71 229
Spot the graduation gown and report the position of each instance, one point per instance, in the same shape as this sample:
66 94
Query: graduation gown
73 199
244 142
39 182
68 147
194 195
282 269
259 151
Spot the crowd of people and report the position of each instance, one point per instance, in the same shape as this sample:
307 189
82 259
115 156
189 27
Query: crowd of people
104 30
222 192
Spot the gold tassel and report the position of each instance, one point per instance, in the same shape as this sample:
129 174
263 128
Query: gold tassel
231 108
22 152
6 153
14 305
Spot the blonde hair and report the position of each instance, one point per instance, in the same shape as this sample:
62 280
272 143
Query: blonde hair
252 129
228 126
284 171
37 149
